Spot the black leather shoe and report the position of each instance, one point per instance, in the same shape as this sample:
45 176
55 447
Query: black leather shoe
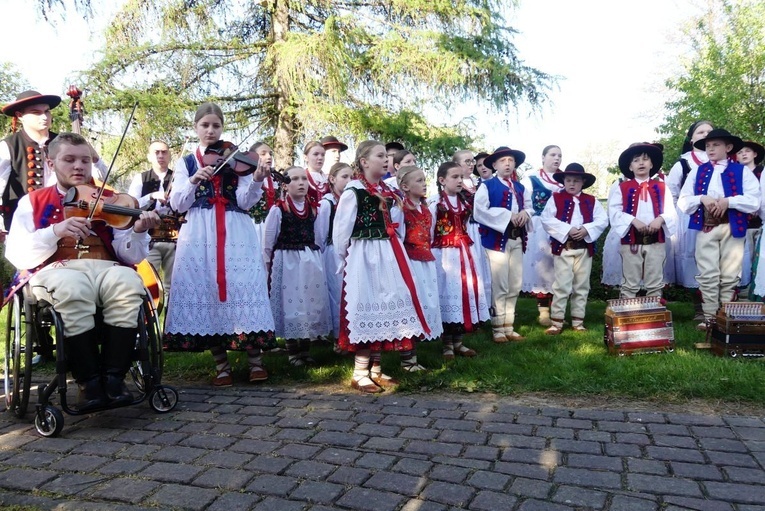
91 395
116 391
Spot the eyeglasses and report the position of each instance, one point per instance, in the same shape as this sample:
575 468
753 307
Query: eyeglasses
469 162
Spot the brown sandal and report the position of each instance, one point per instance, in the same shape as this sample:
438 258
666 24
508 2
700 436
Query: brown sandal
223 379
367 388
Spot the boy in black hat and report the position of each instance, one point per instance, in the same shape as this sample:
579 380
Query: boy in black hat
643 215
574 220
718 196
23 165
503 208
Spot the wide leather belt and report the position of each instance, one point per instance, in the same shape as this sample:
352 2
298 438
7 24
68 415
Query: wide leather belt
515 233
91 247
648 239
711 221
575 244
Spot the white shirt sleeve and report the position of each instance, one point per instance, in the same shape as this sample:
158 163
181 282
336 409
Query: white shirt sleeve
100 169
130 246
433 208
598 224
554 227
345 218
5 171
182 192
134 190
397 217
687 201
674 179
27 247
248 192
271 229
669 215
321 225
494 218
5 166
620 221
528 208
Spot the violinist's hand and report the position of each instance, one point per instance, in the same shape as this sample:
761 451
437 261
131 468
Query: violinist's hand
147 220
261 171
203 174
76 227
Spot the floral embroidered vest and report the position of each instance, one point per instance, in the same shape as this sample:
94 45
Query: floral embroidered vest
451 226
417 240
370 222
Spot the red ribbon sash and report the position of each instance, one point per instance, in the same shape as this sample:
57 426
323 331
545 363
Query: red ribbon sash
398 251
219 204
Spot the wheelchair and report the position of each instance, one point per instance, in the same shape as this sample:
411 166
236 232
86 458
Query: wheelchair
28 323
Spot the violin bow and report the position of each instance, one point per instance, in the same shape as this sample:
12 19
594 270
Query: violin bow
111 165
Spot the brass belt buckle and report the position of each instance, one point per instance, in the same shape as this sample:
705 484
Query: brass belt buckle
81 249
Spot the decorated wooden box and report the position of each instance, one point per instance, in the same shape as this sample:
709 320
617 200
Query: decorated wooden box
738 330
638 325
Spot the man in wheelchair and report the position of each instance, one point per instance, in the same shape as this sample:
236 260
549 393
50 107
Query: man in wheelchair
83 265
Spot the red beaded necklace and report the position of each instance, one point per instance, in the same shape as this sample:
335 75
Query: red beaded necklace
300 214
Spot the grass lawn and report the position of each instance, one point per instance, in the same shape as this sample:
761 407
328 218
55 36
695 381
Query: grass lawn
573 364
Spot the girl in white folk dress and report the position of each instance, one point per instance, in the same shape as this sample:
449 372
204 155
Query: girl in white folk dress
417 230
460 289
380 308
271 191
538 271
470 183
339 176
219 297
298 285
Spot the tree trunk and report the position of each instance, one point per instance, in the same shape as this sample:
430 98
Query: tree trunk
284 136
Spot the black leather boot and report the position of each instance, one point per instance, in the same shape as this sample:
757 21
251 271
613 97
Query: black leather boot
82 359
118 350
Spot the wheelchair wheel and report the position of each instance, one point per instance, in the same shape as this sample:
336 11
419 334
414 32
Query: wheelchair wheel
163 399
51 423
18 357
154 340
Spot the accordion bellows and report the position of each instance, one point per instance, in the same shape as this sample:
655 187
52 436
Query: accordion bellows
739 330
638 325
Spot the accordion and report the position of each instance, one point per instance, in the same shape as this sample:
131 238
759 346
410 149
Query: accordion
738 330
638 325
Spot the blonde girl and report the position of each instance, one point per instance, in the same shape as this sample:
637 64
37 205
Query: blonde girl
380 308
416 231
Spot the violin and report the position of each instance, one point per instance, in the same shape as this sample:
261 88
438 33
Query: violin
118 210
227 154
279 177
